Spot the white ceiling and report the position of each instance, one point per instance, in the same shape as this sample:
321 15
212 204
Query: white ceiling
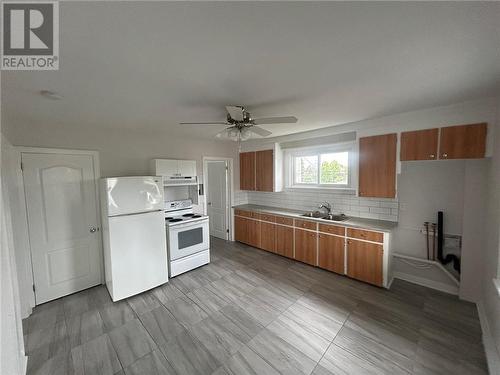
148 66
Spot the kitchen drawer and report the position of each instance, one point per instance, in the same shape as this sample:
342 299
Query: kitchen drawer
332 229
305 224
284 220
243 213
267 217
365 235
254 215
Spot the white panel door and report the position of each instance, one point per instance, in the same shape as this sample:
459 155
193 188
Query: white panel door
129 195
217 198
62 217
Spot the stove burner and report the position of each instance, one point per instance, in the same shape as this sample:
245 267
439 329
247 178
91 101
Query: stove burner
196 216
188 215
175 220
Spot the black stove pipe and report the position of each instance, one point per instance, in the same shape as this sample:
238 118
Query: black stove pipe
450 257
440 236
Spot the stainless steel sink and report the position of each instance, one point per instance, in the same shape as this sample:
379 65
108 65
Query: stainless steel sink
320 215
340 217
315 214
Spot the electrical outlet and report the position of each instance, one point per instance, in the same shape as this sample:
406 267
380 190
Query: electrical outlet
452 242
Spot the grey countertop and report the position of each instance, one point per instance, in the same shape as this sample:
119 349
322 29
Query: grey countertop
379 225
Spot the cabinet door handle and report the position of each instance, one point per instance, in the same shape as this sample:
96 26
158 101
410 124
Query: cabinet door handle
432 156
445 155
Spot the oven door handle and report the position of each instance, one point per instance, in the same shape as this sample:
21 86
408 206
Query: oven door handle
192 224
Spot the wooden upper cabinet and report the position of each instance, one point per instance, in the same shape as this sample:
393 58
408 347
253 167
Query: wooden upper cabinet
268 236
306 249
377 166
419 145
257 170
247 171
264 162
463 141
331 253
364 261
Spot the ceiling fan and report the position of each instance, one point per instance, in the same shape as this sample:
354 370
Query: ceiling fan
241 125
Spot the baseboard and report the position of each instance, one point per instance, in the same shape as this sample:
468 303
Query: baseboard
24 364
425 282
390 282
492 355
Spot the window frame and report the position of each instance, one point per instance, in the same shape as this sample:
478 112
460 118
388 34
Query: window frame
291 154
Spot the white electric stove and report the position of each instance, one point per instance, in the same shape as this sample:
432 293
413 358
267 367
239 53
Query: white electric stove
188 237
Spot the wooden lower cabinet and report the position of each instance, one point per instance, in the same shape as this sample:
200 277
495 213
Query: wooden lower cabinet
364 261
247 231
284 241
241 229
306 246
254 234
331 253
268 236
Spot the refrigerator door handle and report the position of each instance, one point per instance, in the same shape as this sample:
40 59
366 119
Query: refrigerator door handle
137 213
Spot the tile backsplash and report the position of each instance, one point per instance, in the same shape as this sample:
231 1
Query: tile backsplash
342 202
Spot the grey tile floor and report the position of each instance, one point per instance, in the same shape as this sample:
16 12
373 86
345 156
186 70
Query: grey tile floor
252 312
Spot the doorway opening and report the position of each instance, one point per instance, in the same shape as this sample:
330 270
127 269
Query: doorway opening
217 181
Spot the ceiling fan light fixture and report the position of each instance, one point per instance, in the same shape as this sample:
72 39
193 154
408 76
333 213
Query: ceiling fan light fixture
233 133
246 134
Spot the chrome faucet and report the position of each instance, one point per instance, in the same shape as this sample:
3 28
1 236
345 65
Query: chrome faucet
327 206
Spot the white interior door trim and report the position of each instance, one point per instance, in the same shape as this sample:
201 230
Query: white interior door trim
97 175
230 189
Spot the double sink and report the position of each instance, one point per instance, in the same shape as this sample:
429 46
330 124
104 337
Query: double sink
320 215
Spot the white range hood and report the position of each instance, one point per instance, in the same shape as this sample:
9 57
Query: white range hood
175 172
179 180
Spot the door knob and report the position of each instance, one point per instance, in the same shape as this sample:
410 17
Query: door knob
93 230
209 203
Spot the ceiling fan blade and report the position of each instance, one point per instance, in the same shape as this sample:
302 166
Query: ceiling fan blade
275 120
203 123
236 112
260 131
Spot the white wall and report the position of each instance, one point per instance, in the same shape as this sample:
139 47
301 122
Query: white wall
473 228
490 301
12 184
126 152
12 357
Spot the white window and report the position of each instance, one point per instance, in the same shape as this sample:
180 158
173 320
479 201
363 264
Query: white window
321 167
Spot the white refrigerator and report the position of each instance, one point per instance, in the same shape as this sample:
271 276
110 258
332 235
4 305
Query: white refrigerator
134 238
